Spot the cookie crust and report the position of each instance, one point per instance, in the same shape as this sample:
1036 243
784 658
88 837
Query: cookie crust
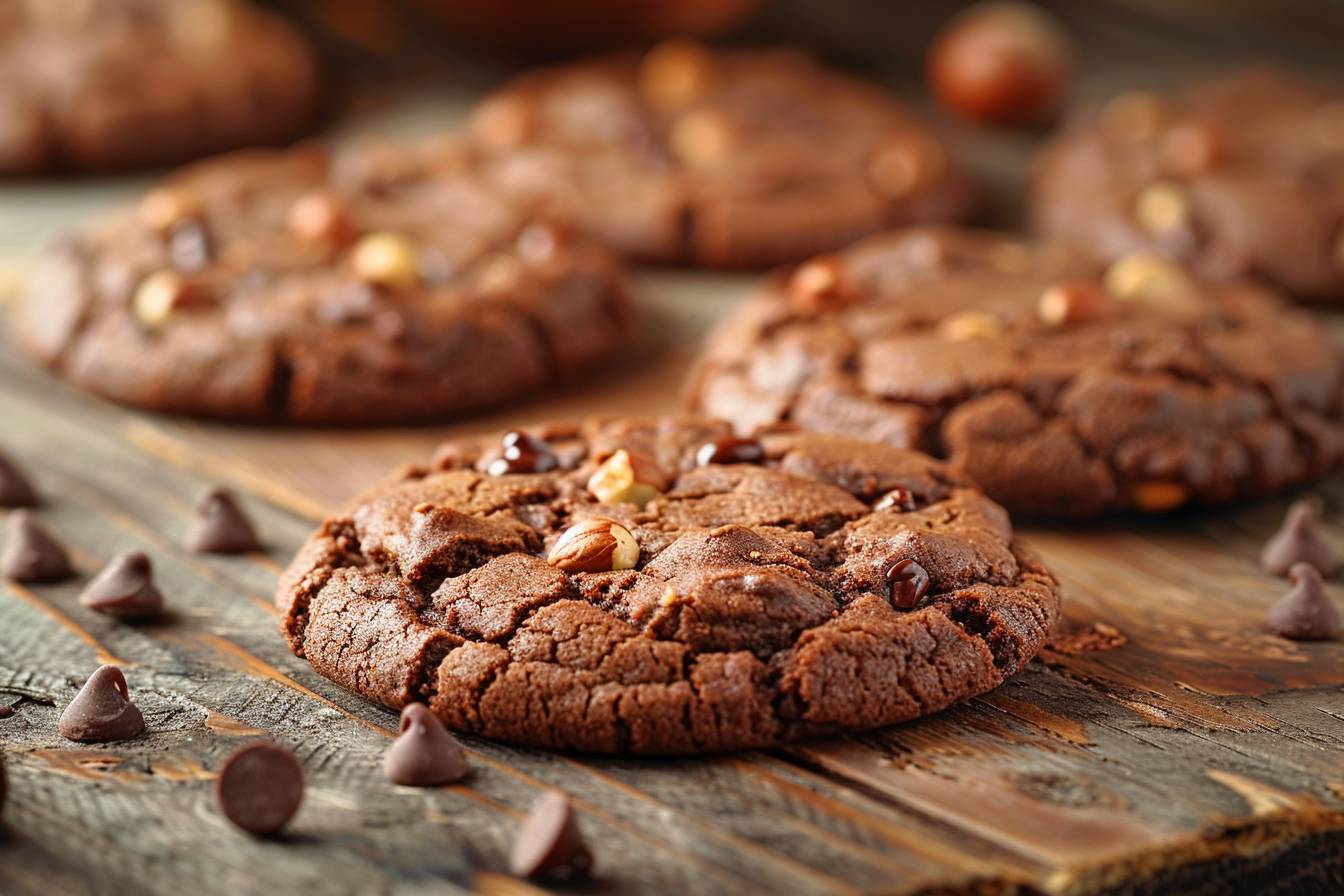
759 610
733 159
1179 392
386 284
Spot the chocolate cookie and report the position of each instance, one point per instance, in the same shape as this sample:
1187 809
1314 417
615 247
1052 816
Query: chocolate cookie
119 84
1239 175
386 284
721 159
1062 389
654 586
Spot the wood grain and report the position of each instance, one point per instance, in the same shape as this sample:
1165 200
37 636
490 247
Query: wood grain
1166 742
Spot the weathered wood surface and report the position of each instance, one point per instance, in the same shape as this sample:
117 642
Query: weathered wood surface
1165 743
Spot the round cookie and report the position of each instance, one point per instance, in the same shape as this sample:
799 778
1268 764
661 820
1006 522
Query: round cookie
385 284
720 159
116 84
1063 390
1238 175
655 586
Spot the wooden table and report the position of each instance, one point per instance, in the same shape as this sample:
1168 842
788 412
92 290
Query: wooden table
1165 742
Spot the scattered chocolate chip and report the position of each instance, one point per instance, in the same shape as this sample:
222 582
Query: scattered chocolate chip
31 553
15 489
6 711
550 841
125 588
522 453
259 788
1299 541
901 499
908 582
189 246
102 711
424 754
730 450
1306 613
221 526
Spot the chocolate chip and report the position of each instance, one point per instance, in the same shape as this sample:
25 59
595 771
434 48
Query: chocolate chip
908 582
424 754
1306 613
901 499
6 710
730 450
102 711
259 788
1299 541
189 247
550 842
522 453
31 554
125 588
221 526
15 488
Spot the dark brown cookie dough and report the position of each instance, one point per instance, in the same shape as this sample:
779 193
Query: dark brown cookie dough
830 585
721 159
117 84
1062 389
1238 175
386 284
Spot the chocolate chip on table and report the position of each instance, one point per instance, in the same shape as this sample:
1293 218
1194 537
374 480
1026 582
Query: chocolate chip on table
1299 541
221 526
125 588
550 842
522 453
908 583
259 788
31 553
15 488
730 450
424 753
1306 613
102 711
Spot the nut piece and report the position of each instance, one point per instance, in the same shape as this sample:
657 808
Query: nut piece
1161 208
702 138
628 477
161 294
1192 149
1132 117
160 209
386 259
1076 301
676 73
318 218
1002 63
898 499
1158 495
817 286
599 544
1146 277
967 325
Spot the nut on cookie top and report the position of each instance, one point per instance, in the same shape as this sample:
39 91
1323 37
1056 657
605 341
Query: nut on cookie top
1241 174
663 586
735 158
1061 388
385 282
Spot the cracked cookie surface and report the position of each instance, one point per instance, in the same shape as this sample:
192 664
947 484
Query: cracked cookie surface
1062 389
386 283
1241 174
743 158
116 84
826 585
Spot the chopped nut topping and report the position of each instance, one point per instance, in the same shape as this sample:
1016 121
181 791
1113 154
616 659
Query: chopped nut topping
1162 208
599 544
1074 302
967 325
628 477
817 285
321 219
386 259
162 294
1146 277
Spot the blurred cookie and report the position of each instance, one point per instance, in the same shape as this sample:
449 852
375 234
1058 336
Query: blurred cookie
718 159
112 84
1238 175
1062 389
387 284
